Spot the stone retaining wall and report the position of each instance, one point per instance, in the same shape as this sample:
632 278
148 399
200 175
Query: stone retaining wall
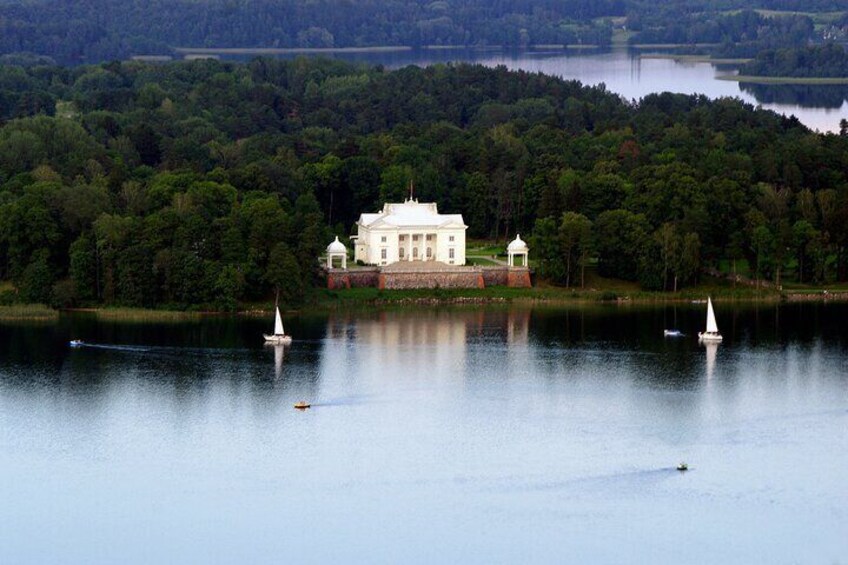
471 278
397 277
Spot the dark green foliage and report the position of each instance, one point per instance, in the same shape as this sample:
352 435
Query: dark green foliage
83 268
39 32
548 250
102 30
36 280
740 32
830 60
620 240
284 274
209 183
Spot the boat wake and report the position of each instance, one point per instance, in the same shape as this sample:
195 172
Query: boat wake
346 401
132 348
627 480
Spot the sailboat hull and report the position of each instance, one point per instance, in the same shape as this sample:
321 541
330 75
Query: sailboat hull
709 336
277 339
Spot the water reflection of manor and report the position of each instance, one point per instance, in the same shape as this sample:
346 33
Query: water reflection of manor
432 343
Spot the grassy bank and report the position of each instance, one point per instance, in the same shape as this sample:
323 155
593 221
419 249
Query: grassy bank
33 312
673 45
369 297
784 80
695 59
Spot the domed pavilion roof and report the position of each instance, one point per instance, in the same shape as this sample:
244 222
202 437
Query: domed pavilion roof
336 247
517 244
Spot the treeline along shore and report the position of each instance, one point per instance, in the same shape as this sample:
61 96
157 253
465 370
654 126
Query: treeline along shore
71 32
210 185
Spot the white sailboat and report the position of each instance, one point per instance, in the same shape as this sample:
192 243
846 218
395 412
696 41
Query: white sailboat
279 336
712 328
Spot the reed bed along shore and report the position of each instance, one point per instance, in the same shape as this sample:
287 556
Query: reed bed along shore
34 312
145 315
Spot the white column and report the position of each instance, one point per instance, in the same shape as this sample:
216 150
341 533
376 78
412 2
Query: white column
409 246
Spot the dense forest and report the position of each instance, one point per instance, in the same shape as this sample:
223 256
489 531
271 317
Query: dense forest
828 60
739 34
73 32
208 183
90 31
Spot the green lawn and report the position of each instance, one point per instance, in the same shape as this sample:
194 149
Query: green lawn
485 247
480 261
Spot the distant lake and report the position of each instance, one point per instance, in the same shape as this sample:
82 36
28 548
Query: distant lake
462 435
624 72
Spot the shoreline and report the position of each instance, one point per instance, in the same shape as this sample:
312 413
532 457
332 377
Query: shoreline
347 300
286 50
695 59
751 79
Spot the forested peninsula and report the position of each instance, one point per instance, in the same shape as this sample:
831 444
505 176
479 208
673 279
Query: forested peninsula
824 61
208 184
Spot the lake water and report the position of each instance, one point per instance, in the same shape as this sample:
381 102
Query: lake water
486 435
625 72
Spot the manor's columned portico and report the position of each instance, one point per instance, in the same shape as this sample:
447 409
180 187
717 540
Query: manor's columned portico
411 231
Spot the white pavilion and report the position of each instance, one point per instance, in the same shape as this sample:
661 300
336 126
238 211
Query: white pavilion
336 250
518 248
412 231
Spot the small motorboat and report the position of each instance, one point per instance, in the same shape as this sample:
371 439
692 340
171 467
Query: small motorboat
672 333
682 466
76 343
302 405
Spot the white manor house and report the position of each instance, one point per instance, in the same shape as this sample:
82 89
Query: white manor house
411 231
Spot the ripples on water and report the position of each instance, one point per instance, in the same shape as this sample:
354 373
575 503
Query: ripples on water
479 435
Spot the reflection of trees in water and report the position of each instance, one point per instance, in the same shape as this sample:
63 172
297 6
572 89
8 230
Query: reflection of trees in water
804 95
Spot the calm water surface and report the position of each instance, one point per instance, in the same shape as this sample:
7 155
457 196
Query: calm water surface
466 436
626 73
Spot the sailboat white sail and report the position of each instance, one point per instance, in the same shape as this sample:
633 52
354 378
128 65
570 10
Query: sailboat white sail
278 324
712 333
279 337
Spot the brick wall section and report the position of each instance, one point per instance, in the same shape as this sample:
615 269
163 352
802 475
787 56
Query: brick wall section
454 277
352 278
495 276
518 278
